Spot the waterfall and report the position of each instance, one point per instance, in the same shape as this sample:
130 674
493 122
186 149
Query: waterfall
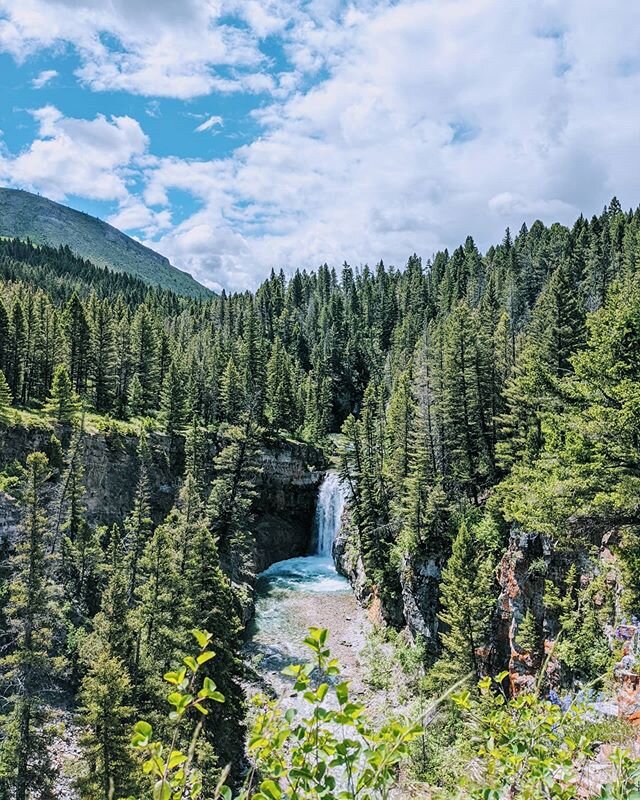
329 507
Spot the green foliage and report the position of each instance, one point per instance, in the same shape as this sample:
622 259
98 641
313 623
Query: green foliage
467 598
63 403
5 401
533 749
170 770
107 720
528 634
328 750
27 669
172 400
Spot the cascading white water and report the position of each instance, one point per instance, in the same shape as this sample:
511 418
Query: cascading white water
328 515
293 594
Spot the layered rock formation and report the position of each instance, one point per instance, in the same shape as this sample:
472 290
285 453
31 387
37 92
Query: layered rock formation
287 482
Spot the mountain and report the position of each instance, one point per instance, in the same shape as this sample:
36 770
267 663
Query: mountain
26 215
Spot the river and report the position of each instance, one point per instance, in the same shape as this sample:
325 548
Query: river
299 593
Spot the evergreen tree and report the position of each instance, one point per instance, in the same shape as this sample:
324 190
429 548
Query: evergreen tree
82 557
209 603
107 719
104 358
28 669
63 403
144 357
79 343
109 657
468 600
400 413
232 495
160 594
172 400
280 405
467 451
135 398
231 396
138 525
5 340
5 401
17 353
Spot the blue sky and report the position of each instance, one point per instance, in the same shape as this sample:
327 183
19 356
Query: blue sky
239 135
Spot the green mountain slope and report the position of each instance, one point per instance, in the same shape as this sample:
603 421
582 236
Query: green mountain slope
23 214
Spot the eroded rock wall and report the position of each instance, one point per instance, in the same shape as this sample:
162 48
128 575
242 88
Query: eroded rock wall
287 484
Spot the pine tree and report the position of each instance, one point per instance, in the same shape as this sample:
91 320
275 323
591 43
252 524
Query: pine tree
423 500
82 558
195 454
28 669
5 401
209 604
280 405
144 356
5 340
400 413
109 656
107 719
104 358
79 343
63 403
556 333
160 594
172 400
467 451
16 365
135 398
252 363
468 602
138 525
232 495
231 395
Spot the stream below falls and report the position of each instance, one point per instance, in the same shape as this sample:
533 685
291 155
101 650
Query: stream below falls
304 592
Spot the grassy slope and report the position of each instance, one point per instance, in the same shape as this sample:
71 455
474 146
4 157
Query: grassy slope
23 215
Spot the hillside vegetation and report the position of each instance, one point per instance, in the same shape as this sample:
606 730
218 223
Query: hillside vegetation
489 406
25 215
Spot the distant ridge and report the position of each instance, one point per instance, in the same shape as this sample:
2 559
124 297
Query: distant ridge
27 215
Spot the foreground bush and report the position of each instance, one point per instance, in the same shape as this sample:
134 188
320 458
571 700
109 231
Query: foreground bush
327 748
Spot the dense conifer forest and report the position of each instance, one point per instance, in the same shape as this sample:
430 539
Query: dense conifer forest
470 402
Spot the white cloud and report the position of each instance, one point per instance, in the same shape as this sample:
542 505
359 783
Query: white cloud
134 215
436 120
44 78
396 125
209 123
162 49
89 158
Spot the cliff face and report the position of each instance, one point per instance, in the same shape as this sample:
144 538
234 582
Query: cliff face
416 607
530 564
287 485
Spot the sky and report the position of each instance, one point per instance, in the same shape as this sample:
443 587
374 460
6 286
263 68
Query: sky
237 136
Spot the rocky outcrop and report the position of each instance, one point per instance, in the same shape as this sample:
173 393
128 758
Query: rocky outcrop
348 558
522 592
9 516
416 606
287 482
288 485
420 582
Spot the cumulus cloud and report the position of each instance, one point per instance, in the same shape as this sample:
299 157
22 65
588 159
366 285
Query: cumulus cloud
88 158
436 120
44 78
160 49
393 127
209 123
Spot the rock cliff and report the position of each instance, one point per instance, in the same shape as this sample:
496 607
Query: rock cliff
287 484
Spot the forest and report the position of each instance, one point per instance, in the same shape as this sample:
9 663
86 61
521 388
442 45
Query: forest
483 413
